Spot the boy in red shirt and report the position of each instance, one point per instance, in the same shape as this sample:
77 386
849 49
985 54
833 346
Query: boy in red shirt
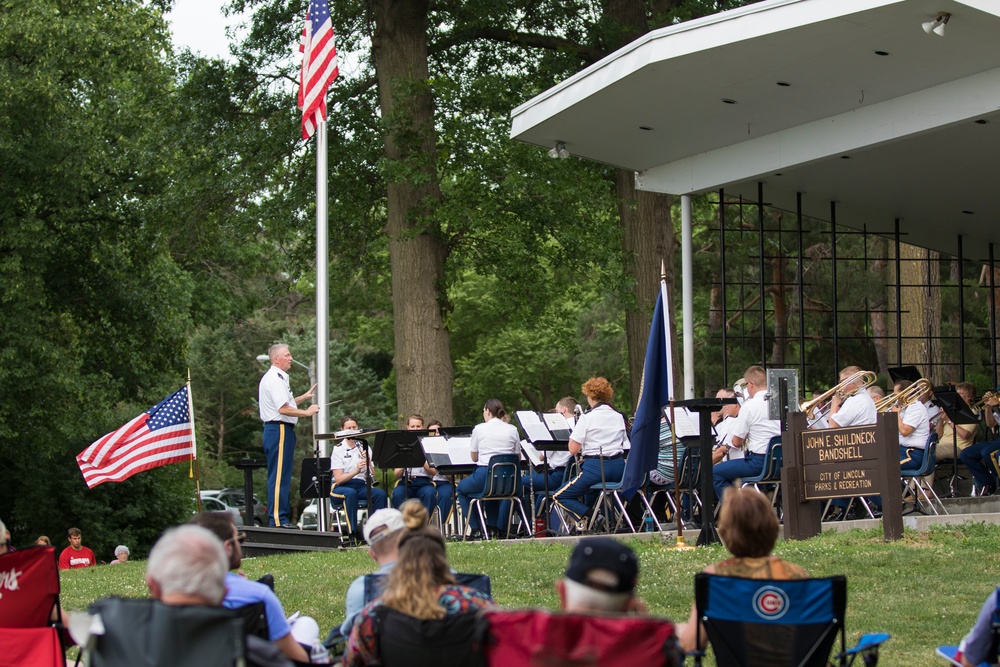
76 555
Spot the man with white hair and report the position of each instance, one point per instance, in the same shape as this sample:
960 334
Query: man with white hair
600 578
187 566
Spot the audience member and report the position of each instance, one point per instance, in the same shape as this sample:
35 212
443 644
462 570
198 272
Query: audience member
421 586
382 533
240 591
76 556
187 566
748 528
43 541
4 542
978 647
121 554
600 577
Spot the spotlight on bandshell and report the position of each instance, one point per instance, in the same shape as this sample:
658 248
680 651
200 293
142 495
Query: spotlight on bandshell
937 25
559 151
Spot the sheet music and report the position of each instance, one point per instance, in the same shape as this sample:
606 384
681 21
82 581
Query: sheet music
557 425
533 425
441 451
685 423
533 454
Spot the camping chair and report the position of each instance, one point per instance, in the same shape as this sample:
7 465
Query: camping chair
148 632
375 582
949 653
503 482
29 609
771 622
536 637
405 641
915 483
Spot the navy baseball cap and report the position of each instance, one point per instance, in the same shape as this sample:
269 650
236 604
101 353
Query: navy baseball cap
604 564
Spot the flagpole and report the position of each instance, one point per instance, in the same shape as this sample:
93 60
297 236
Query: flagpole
195 470
679 519
321 419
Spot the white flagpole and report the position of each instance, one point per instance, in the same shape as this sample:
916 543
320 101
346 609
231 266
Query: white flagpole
195 472
666 335
321 419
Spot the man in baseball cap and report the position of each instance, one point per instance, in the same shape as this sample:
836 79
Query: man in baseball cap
600 577
382 532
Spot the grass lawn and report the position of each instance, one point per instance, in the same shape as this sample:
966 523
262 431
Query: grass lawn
925 589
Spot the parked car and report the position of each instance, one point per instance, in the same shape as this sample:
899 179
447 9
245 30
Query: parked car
210 503
235 498
308 518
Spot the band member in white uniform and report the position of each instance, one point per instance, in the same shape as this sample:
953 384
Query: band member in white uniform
494 436
752 431
348 464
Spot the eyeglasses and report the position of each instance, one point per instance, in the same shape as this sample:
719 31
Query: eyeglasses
240 537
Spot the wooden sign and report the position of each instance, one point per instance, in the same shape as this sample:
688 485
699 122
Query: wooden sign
839 462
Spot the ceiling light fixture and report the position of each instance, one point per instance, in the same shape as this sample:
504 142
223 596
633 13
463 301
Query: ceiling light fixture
937 25
559 151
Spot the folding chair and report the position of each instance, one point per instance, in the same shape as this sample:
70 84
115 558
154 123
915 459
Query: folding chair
688 482
609 498
770 473
915 483
950 652
503 482
148 632
753 622
405 641
29 609
536 637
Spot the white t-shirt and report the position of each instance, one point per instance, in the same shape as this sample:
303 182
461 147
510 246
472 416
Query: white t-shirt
494 437
601 432
857 410
915 415
753 425
273 393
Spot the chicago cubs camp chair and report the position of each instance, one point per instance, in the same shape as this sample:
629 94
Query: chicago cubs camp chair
757 622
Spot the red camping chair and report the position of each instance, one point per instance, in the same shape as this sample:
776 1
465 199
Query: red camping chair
535 637
29 598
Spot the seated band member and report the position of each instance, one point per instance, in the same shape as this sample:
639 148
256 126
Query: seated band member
953 438
600 437
494 436
349 463
723 426
752 431
444 485
976 457
858 409
914 428
415 482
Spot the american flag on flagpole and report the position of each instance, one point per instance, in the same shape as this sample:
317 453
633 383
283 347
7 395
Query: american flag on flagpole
319 65
162 435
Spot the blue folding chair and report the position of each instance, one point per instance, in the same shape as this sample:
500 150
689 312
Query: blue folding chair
503 482
770 472
950 653
752 622
916 484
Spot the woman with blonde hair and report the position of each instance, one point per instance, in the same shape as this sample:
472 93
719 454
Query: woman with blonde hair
422 588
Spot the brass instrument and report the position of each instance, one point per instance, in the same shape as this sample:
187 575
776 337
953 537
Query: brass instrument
983 401
820 405
906 397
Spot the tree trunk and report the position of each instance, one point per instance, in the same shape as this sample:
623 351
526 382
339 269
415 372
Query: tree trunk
780 300
880 329
417 251
920 298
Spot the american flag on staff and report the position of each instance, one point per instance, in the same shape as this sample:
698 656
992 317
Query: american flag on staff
319 65
163 434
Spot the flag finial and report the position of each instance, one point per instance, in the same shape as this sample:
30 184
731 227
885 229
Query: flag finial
663 269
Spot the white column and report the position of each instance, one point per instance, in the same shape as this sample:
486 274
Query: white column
687 278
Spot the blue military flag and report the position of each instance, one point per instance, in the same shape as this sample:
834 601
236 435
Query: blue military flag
655 391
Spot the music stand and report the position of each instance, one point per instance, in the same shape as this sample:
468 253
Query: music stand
954 406
705 407
316 477
911 373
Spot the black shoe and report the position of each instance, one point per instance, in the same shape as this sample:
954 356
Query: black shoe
289 526
474 536
835 514
267 580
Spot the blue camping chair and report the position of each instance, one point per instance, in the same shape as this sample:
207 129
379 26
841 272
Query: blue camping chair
949 653
503 482
753 622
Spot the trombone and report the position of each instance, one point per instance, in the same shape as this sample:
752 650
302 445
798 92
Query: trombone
906 397
820 405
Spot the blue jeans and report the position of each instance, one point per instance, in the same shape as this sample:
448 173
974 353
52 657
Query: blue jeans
976 458
351 492
279 450
475 483
576 496
724 473
421 488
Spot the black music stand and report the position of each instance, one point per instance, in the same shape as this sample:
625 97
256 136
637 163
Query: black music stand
551 444
316 477
399 449
705 407
911 373
248 466
951 403
452 471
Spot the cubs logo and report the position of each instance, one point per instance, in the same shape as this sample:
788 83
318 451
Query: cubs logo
770 603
